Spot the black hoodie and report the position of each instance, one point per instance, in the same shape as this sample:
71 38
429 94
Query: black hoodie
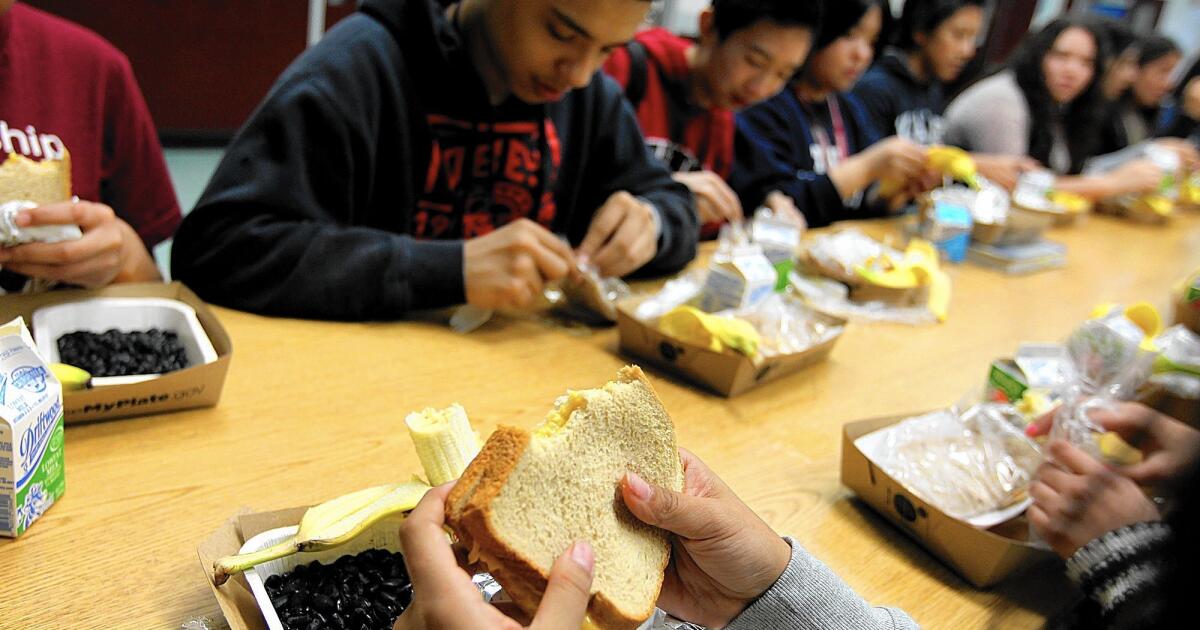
348 192
899 104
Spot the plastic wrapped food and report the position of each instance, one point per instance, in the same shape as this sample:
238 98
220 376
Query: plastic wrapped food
975 466
838 255
592 295
787 326
832 297
12 235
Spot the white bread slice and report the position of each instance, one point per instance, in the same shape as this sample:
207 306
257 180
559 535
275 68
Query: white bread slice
45 182
528 496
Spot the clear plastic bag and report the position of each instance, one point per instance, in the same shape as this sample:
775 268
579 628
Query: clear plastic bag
836 255
787 326
833 297
675 293
975 465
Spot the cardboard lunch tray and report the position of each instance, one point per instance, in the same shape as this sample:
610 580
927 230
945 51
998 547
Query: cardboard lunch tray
727 374
234 597
197 386
983 557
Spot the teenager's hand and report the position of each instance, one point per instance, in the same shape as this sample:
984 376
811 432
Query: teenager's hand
509 267
622 236
715 200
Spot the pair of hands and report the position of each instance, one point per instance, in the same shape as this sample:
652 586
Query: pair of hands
1077 498
510 267
717 203
110 251
723 556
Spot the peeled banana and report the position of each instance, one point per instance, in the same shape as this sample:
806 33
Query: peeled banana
444 440
329 524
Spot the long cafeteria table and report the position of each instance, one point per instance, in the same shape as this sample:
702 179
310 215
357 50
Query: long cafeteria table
311 410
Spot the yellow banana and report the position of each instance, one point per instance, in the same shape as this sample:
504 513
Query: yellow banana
919 267
694 326
400 498
444 440
954 162
71 377
329 524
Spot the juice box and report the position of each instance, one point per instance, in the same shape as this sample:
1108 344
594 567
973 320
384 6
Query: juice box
32 477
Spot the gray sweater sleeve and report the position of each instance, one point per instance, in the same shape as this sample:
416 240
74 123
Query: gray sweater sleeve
811 596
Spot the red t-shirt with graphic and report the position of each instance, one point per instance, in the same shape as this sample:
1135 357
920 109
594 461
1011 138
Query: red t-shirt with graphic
686 137
64 87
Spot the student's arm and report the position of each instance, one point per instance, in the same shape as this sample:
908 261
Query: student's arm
770 157
274 234
1138 176
623 164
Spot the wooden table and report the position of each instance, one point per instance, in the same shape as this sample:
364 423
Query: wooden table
312 410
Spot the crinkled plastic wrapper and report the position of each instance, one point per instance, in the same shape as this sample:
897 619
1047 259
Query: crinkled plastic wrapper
591 299
837 254
12 235
975 466
786 324
832 297
1111 364
1180 347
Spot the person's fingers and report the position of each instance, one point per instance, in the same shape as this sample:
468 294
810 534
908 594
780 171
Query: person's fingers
1053 476
1148 471
551 263
427 552
1044 497
555 244
74 273
729 206
1073 459
1133 422
1042 424
604 224
92 244
83 214
681 514
568 590
624 251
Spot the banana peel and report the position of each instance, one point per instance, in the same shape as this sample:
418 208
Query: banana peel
72 378
954 162
329 524
1143 315
692 325
918 268
951 162
1069 201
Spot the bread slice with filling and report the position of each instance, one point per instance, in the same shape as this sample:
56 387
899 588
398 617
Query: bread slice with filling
528 496
44 182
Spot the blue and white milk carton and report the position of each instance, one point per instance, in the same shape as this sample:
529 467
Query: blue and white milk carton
32 477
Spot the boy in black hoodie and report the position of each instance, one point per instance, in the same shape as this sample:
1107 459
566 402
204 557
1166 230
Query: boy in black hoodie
420 157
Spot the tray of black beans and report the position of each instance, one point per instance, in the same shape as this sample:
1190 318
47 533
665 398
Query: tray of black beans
367 591
116 353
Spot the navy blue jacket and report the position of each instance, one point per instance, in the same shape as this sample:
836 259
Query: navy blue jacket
776 150
899 104
350 191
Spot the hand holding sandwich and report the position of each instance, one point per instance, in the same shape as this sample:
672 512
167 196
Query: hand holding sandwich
110 250
723 555
444 597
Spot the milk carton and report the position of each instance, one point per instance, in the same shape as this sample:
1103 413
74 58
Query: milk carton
31 432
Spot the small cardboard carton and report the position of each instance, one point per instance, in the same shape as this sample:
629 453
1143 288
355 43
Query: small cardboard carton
234 597
983 557
726 373
32 475
195 386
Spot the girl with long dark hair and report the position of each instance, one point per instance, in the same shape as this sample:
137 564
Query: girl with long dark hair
1136 115
814 142
1047 104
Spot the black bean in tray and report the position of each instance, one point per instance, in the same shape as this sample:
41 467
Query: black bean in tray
360 592
116 353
